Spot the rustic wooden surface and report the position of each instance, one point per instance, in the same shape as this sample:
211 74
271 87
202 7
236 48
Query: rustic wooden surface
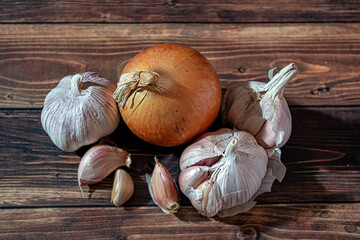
327 55
42 41
179 11
272 221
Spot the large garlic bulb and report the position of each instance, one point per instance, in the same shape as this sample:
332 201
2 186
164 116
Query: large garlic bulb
224 171
261 109
79 111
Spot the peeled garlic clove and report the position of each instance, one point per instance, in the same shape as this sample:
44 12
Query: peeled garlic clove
98 162
261 109
163 190
79 111
123 188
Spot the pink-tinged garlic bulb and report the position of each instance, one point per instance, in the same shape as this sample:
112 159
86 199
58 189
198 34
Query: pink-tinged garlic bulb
261 109
79 111
224 171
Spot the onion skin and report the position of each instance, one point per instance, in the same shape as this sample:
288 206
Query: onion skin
180 104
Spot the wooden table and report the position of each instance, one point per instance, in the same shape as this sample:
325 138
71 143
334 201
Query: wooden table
42 41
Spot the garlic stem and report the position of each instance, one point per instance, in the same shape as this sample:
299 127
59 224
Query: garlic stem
231 147
227 156
275 87
75 82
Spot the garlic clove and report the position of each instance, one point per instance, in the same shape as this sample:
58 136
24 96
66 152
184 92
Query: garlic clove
192 177
162 189
206 150
266 136
278 113
200 202
123 188
244 101
98 162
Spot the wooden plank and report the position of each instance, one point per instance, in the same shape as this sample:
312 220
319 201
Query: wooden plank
300 221
33 58
322 159
178 11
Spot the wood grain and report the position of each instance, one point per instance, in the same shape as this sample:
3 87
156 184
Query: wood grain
322 159
158 11
302 221
33 58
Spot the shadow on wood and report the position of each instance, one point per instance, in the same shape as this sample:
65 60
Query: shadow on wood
322 158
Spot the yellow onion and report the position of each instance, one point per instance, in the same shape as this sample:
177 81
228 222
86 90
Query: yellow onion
168 94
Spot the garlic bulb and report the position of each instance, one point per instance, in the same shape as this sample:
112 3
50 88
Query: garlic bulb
123 188
98 162
162 189
79 111
261 109
224 171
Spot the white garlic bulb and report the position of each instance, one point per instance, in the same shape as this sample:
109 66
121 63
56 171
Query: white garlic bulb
224 171
261 109
79 111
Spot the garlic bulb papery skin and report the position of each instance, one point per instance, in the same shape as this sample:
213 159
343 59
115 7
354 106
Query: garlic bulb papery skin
79 111
224 171
261 108
98 162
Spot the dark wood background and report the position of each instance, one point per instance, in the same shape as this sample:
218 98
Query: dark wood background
42 41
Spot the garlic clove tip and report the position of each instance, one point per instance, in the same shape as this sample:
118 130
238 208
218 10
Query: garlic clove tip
128 160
